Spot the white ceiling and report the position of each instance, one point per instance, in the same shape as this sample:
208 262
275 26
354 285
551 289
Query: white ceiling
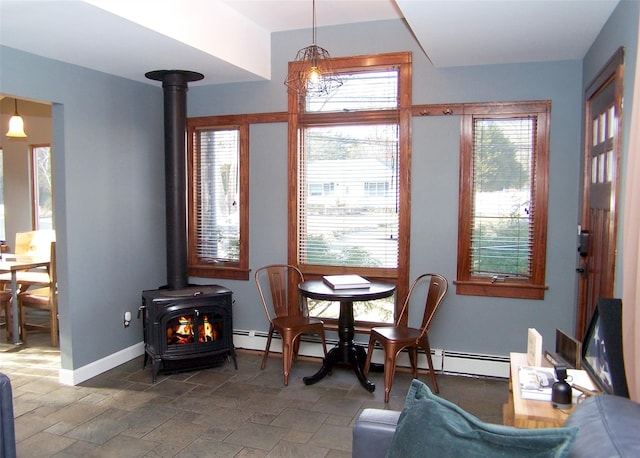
229 40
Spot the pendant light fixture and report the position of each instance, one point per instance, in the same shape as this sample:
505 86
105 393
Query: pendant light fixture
311 71
16 124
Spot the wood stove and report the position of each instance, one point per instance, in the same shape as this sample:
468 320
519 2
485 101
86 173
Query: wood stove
185 327
188 328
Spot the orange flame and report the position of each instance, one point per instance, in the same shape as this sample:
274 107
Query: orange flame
181 334
206 332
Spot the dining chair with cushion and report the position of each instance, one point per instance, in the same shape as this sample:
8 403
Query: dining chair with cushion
45 298
5 309
290 318
35 244
394 339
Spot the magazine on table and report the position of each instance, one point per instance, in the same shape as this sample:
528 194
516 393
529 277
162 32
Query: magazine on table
346 281
537 382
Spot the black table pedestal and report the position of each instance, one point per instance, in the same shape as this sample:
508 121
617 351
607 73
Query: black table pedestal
346 351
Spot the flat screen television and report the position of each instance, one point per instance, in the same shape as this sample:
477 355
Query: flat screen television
602 355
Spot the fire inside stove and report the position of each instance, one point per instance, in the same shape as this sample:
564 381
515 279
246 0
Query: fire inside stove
187 329
181 330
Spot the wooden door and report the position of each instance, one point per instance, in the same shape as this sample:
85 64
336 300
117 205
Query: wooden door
597 245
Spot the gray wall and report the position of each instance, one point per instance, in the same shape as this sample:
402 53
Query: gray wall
108 173
108 176
17 182
465 323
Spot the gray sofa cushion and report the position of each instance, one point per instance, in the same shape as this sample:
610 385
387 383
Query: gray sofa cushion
432 426
609 426
7 432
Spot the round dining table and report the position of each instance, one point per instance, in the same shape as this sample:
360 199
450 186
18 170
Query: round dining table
346 351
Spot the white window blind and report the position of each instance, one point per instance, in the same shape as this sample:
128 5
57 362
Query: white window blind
503 213
368 90
216 195
349 196
348 193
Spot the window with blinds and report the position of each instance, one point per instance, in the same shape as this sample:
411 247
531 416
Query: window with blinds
217 208
349 195
217 213
348 175
349 181
504 168
364 90
501 236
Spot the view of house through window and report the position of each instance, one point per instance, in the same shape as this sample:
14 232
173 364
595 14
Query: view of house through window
348 201
42 189
351 205
351 199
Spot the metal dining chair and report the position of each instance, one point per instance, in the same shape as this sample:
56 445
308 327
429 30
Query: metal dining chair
288 317
396 338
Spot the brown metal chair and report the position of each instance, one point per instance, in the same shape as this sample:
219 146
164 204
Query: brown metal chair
289 318
5 308
44 299
398 337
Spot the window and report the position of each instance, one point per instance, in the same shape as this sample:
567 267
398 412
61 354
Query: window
321 189
379 189
503 200
41 187
350 156
218 191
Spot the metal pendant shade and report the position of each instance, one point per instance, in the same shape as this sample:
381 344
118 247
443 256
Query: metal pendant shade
311 71
16 124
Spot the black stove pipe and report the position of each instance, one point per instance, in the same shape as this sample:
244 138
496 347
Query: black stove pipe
174 84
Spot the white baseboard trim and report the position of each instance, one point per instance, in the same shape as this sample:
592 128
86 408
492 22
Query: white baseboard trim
76 376
443 360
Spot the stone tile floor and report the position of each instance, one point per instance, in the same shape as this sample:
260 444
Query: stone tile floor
217 412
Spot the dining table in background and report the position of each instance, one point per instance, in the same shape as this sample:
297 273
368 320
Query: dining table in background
14 264
346 351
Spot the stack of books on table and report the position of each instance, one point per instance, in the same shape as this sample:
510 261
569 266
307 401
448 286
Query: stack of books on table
346 281
537 382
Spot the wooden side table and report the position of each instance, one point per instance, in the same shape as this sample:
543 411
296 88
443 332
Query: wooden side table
527 413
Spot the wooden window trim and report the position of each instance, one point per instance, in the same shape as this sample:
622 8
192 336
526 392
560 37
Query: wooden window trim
467 284
230 271
400 275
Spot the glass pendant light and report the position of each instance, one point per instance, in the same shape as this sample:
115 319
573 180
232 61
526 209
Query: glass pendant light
16 124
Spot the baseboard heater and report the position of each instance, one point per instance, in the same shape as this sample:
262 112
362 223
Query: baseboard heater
451 362
475 364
